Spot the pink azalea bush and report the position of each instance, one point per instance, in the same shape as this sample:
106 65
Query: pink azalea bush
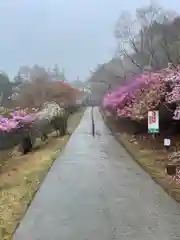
144 93
7 125
23 119
16 120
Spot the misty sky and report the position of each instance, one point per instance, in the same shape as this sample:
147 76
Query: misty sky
76 34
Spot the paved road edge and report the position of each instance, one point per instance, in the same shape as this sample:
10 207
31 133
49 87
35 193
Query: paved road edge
161 181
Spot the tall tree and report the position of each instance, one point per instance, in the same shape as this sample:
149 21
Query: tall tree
58 74
62 76
38 73
17 79
5 88
148 38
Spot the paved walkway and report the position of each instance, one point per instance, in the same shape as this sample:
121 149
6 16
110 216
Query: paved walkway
95 191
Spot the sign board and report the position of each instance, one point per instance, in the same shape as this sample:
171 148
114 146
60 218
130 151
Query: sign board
153 121
167 142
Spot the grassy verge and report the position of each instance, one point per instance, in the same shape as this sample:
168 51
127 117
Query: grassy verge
149 154
21 177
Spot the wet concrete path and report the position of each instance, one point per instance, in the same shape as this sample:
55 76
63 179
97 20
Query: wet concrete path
95 191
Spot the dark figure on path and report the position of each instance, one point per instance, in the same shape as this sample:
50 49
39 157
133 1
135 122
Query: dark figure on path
93 124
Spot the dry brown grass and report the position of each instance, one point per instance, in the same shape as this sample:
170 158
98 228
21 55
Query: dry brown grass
21 177
149 154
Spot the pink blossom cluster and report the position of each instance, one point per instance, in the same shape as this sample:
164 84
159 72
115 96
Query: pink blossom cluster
16 120
7 125
144 93
23 119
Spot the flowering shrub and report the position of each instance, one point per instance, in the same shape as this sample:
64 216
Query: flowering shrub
10 124
21 118
7 125
146 92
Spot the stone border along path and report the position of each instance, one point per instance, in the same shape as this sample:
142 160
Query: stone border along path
95 191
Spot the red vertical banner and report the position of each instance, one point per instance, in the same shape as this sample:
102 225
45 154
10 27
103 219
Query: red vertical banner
153 117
